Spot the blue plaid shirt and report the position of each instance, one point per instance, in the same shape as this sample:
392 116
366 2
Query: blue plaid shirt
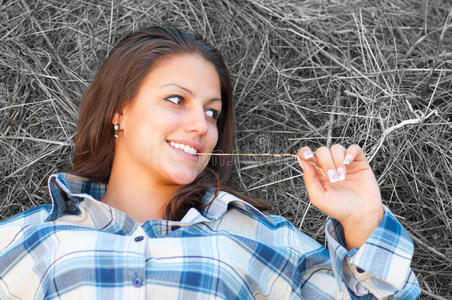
81 248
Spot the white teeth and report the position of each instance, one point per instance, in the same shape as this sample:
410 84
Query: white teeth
186 148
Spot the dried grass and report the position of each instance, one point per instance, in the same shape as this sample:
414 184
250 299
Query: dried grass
375 73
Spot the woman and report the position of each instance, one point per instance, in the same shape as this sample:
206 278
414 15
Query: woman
143 214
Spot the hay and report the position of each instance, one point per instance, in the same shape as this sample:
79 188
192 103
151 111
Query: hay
375 73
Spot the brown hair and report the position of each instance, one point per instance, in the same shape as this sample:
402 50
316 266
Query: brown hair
117 83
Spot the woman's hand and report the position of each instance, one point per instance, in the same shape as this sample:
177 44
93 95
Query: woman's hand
350 195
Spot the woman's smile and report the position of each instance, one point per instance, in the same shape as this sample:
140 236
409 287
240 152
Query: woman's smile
184 151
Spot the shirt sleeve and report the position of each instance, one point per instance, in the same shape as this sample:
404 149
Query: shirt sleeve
380 268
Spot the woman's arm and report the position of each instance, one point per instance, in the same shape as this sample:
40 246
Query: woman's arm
380 266
370 250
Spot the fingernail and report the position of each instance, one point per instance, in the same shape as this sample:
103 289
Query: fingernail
308 154
332 175
348 159
299 161
341 172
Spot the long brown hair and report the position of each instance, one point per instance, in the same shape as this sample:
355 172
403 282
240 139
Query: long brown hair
117 82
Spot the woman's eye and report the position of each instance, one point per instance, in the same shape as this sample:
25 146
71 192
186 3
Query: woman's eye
174 97
214 114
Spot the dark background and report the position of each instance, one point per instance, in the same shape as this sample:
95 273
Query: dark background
375 73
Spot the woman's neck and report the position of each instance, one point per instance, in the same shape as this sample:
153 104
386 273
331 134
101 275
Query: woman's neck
137 193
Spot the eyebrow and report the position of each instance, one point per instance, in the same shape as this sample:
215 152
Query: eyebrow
190 92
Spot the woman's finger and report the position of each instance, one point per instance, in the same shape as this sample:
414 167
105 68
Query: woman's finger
310 175
325 159
306 153
354 153
338 154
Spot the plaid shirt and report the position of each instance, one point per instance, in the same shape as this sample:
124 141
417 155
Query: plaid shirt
81 248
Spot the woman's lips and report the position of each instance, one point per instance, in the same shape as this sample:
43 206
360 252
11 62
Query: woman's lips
184 154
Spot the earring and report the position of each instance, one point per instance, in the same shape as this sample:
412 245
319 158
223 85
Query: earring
116 128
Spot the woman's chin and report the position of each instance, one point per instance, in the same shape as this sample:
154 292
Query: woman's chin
182 177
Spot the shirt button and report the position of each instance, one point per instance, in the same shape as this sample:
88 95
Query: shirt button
359 270
139 238
137 281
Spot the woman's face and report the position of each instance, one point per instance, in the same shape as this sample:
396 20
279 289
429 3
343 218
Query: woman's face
179 101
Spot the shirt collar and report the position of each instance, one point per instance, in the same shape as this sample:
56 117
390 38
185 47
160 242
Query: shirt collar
66 190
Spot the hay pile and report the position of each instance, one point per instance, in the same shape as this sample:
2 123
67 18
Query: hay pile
305 73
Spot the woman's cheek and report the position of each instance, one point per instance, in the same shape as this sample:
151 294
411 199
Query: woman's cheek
214 137
211 142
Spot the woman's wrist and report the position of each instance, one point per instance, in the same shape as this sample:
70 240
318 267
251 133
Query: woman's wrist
358 229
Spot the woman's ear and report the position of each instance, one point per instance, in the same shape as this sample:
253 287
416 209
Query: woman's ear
116 118
118 123
119 117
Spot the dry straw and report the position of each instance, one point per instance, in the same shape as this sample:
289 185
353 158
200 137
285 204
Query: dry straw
250 154
315 73
264 154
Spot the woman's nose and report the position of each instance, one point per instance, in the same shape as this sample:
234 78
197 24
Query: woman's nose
196 121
